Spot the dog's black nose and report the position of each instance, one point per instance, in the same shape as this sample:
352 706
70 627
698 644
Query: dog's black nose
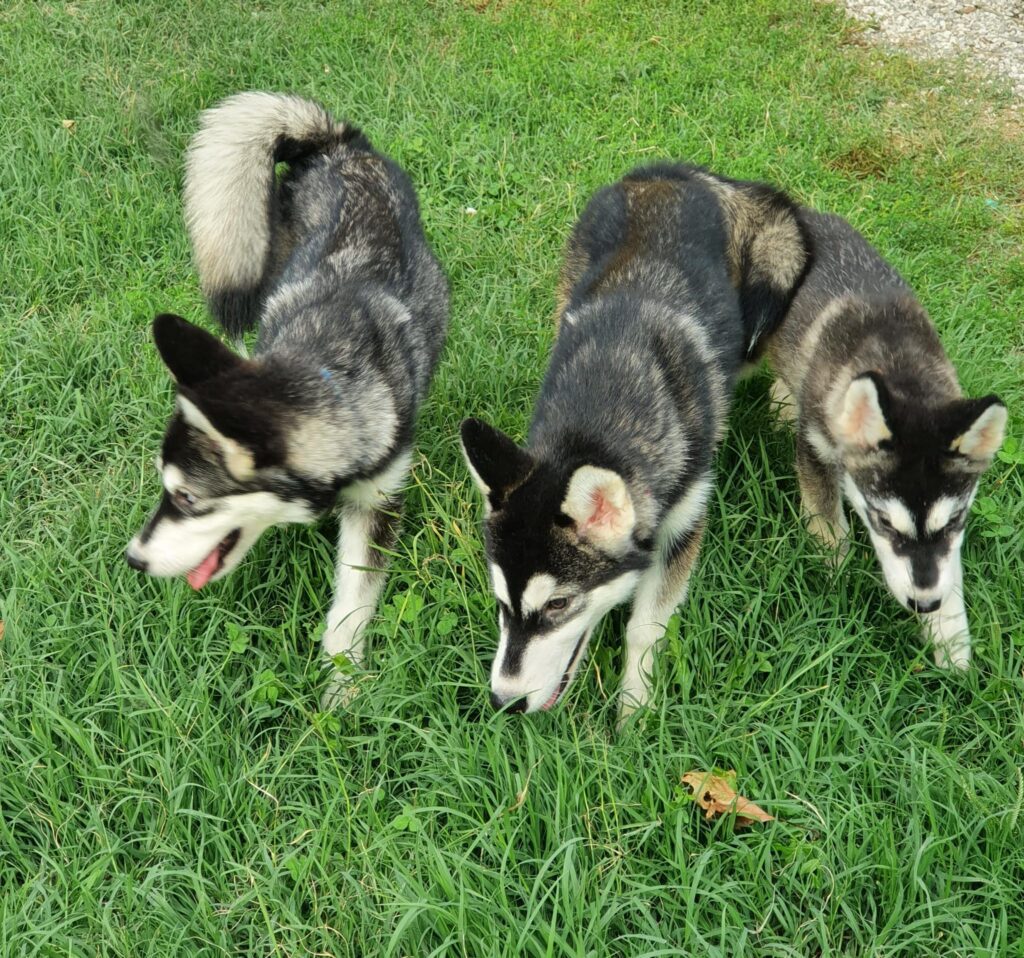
515 705
140 564
923 607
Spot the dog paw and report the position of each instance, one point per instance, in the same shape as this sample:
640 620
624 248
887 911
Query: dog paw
630 702
833 536
837 554
953 657
341 690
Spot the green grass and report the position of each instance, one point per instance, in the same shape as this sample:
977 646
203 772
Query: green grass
167 785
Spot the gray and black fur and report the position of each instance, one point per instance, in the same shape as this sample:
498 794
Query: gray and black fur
330 259
671 277
880 418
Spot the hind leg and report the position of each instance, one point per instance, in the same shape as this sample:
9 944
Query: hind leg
661 590
820 499
366 536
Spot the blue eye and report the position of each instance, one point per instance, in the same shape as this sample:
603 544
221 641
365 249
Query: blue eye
184 498
556 605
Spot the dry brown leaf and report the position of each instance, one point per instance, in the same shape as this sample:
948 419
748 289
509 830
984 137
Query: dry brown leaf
717 796
1 629
69 125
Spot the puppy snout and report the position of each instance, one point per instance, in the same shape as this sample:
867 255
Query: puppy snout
923 607
509 705
134 561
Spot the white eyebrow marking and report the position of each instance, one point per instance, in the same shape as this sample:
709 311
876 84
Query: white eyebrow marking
941 512
500 585
173 478
538 590
899 517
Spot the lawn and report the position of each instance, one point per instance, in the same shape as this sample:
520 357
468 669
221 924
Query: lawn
167 783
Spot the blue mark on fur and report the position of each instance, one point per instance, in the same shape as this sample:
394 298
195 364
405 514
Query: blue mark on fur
328 377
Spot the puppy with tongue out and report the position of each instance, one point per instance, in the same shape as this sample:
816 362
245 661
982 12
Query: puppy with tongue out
214 562
222 462
256 443
237 458
300 228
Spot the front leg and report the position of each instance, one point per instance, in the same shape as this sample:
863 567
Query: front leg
782 402
662 588
366 536
947 627
820 498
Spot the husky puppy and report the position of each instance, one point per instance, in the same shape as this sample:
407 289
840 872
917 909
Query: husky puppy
881 420
671 277
331 259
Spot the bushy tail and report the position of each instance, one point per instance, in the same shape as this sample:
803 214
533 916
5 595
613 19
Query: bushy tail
230 192
774 252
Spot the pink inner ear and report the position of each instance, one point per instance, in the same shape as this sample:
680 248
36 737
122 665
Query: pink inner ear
987 437
604 514
861 423
857 419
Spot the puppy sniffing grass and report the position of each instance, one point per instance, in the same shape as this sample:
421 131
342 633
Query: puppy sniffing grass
672 277
880 419
331 261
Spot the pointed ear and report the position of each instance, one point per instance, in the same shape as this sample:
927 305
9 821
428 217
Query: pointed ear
862 417
239 460
599 502
981 438
495 461
190 353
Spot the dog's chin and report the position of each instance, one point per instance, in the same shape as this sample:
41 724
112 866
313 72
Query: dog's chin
562 686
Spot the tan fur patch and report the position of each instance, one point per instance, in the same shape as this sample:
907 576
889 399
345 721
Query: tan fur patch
238 460
645 201
820 499
677 574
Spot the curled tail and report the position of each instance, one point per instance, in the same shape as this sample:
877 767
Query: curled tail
775 255
769 251
230 192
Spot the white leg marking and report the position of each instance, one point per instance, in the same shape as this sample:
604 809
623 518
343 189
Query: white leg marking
947 627
356 592
646 626
360 575
834 535
645 629
651 609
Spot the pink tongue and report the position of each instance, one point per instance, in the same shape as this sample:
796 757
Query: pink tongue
554 698
203 572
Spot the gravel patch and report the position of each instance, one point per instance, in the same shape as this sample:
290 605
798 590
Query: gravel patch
989 33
